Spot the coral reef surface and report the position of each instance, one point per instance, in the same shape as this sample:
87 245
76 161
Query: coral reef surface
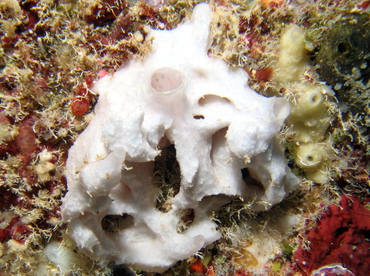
52 52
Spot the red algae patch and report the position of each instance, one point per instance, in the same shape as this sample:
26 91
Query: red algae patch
26 140
81 102
340 237
14 230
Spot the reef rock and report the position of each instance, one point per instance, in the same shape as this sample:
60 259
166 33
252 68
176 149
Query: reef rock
174 137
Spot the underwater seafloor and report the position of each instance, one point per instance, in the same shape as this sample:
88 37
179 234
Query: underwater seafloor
53 51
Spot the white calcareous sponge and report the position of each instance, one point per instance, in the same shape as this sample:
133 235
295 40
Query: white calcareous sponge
182 102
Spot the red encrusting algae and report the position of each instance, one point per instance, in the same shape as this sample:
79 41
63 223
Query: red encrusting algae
198 268
81 102
14 230
342 236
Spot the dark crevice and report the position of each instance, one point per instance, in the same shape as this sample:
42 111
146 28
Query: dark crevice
186 219
167 177
198 117
365 234
251 180
116 223
340 231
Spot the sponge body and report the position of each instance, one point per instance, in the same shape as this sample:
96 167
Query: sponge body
223 133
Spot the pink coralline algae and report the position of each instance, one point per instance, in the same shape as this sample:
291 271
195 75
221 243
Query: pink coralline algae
157 4
14 230
342 236
332 270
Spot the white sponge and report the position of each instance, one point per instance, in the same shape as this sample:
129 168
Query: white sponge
222 132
